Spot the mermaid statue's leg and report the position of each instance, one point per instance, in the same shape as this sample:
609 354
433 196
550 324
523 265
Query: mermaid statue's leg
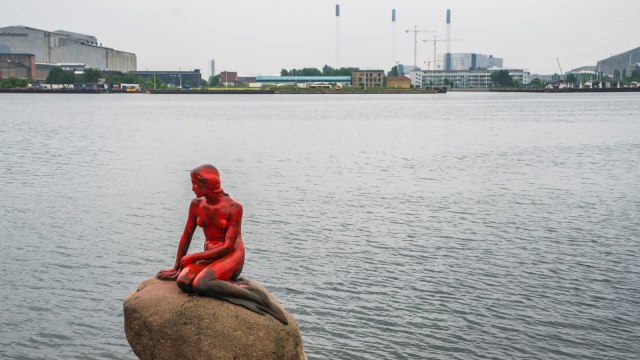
239 293
188 274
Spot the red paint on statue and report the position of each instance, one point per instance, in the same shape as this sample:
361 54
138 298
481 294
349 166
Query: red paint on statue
214 272
220 218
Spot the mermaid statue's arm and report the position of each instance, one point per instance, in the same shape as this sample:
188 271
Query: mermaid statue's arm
183 246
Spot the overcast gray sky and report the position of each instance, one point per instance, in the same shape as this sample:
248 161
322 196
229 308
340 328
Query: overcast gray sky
261 37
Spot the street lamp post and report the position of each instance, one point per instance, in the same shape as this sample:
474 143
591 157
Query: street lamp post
365 80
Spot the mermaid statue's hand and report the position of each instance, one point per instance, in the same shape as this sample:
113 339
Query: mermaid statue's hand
168 274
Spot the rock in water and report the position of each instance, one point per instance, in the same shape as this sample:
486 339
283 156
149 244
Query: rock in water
162 322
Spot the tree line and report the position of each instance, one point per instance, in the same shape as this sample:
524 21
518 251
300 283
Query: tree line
501 78
13 82
61 76
622 75
326 71
58 75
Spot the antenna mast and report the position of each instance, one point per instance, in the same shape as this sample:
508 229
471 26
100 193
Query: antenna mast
337 36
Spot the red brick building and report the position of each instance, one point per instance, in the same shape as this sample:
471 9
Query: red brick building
21 66
228 78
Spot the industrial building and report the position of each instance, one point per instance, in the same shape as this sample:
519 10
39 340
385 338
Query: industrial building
21 66
367 78
405 69
245 80
463 78
64 47
473 61
173 78
297 80
457 61
623 63
228 78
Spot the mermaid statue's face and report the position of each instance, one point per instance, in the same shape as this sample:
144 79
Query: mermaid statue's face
197 187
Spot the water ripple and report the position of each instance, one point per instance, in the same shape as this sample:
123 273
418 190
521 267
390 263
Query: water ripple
485 226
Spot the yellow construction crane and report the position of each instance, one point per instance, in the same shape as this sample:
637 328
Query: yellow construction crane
560 67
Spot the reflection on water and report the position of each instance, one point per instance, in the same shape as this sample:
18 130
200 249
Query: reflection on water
445 226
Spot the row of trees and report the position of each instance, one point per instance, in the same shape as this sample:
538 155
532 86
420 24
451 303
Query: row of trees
618 76
575 79
393 71
13 82
501 78
622 75
60 76
326 71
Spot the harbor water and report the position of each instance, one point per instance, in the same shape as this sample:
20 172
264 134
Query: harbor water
455 226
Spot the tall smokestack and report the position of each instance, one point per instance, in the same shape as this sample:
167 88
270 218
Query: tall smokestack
447 56
337 36
393 37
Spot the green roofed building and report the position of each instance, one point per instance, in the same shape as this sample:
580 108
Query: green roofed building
291 80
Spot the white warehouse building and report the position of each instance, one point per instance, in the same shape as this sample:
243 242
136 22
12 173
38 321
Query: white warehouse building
463 78
64 47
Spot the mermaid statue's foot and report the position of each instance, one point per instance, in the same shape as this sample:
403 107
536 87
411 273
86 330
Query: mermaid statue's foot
266 305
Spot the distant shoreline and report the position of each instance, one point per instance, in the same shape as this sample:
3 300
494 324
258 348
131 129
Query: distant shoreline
315 91
550 91
223 91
